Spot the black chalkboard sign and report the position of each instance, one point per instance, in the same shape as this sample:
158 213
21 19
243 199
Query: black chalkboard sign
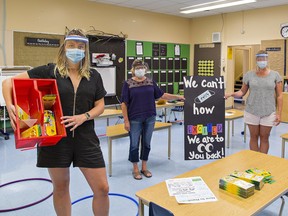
155 49
163 63
163 49
177 63
148 62
204 112
155 63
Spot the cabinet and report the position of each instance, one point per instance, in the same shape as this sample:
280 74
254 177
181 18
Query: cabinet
284 114
6 72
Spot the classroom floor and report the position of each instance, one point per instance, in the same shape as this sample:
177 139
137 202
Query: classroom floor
16 165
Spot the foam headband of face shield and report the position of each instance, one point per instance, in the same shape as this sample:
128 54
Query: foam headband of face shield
262 55
77 38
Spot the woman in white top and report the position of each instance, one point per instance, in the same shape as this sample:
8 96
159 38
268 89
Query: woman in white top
261 111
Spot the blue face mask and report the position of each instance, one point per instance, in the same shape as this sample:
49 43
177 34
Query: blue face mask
140 73
75 55
262 64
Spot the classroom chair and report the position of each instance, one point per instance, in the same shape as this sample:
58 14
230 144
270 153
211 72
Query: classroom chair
179 109
156 210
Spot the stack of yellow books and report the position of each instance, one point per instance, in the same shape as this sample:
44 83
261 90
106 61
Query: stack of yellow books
236 186
268 178
257 180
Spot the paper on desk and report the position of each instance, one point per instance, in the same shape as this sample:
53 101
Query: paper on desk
190 190
229 113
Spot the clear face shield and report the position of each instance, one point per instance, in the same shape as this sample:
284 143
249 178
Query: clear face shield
262 60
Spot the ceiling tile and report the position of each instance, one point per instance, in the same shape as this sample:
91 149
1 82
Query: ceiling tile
173 6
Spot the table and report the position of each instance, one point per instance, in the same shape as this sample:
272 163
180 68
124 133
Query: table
118 131
231 115
108 113
168 105
227 204
284 140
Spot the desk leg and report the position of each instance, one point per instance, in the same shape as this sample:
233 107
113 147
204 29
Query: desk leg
244 132
141 208
108 121
169 142
110 155
232 127
282 206
283 148
4 113
228 135
165 114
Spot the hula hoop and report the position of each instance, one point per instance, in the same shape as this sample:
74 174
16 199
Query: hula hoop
28 205
110 194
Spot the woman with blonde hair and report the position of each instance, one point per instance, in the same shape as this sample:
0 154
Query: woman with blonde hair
264 103
82 98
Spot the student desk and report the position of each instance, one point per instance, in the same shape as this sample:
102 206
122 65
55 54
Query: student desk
227 204
118 131
168 105
108 113
231 115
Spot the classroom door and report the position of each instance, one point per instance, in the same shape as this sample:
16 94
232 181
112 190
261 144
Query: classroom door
241 65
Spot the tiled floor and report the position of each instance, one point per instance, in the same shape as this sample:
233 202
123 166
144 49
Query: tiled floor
17 164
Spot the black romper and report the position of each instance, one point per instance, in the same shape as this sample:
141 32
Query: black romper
83 147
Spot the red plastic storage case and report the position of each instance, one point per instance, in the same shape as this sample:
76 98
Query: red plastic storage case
27 94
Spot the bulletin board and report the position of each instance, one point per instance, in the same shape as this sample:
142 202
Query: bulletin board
207 59
277 53
38 53
110 45
168 62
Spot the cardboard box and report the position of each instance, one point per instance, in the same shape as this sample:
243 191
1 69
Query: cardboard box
28 94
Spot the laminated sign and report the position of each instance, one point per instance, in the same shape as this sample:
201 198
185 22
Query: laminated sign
204 110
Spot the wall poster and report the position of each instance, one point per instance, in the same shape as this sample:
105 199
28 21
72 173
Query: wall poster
204 114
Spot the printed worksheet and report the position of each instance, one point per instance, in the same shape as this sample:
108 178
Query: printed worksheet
190 190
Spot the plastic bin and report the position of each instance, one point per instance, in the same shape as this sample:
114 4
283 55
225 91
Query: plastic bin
27 94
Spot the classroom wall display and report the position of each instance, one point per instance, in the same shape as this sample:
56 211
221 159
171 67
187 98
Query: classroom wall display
114 47
35 49
204 117
108 75
166 61
207 59
277 52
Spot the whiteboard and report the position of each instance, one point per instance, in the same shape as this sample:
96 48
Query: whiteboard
108 75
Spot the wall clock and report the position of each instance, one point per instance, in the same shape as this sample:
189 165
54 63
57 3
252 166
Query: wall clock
284 31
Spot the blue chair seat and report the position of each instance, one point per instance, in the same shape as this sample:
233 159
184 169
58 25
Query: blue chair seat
156 210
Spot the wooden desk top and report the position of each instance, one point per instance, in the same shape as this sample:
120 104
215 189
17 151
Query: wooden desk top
232 114
227 204
284 136
168 105
110 113
118 130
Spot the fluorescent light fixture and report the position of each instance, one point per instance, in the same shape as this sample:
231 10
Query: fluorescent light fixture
214 5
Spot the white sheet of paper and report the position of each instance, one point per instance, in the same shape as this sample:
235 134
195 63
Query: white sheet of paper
190 190
139 49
